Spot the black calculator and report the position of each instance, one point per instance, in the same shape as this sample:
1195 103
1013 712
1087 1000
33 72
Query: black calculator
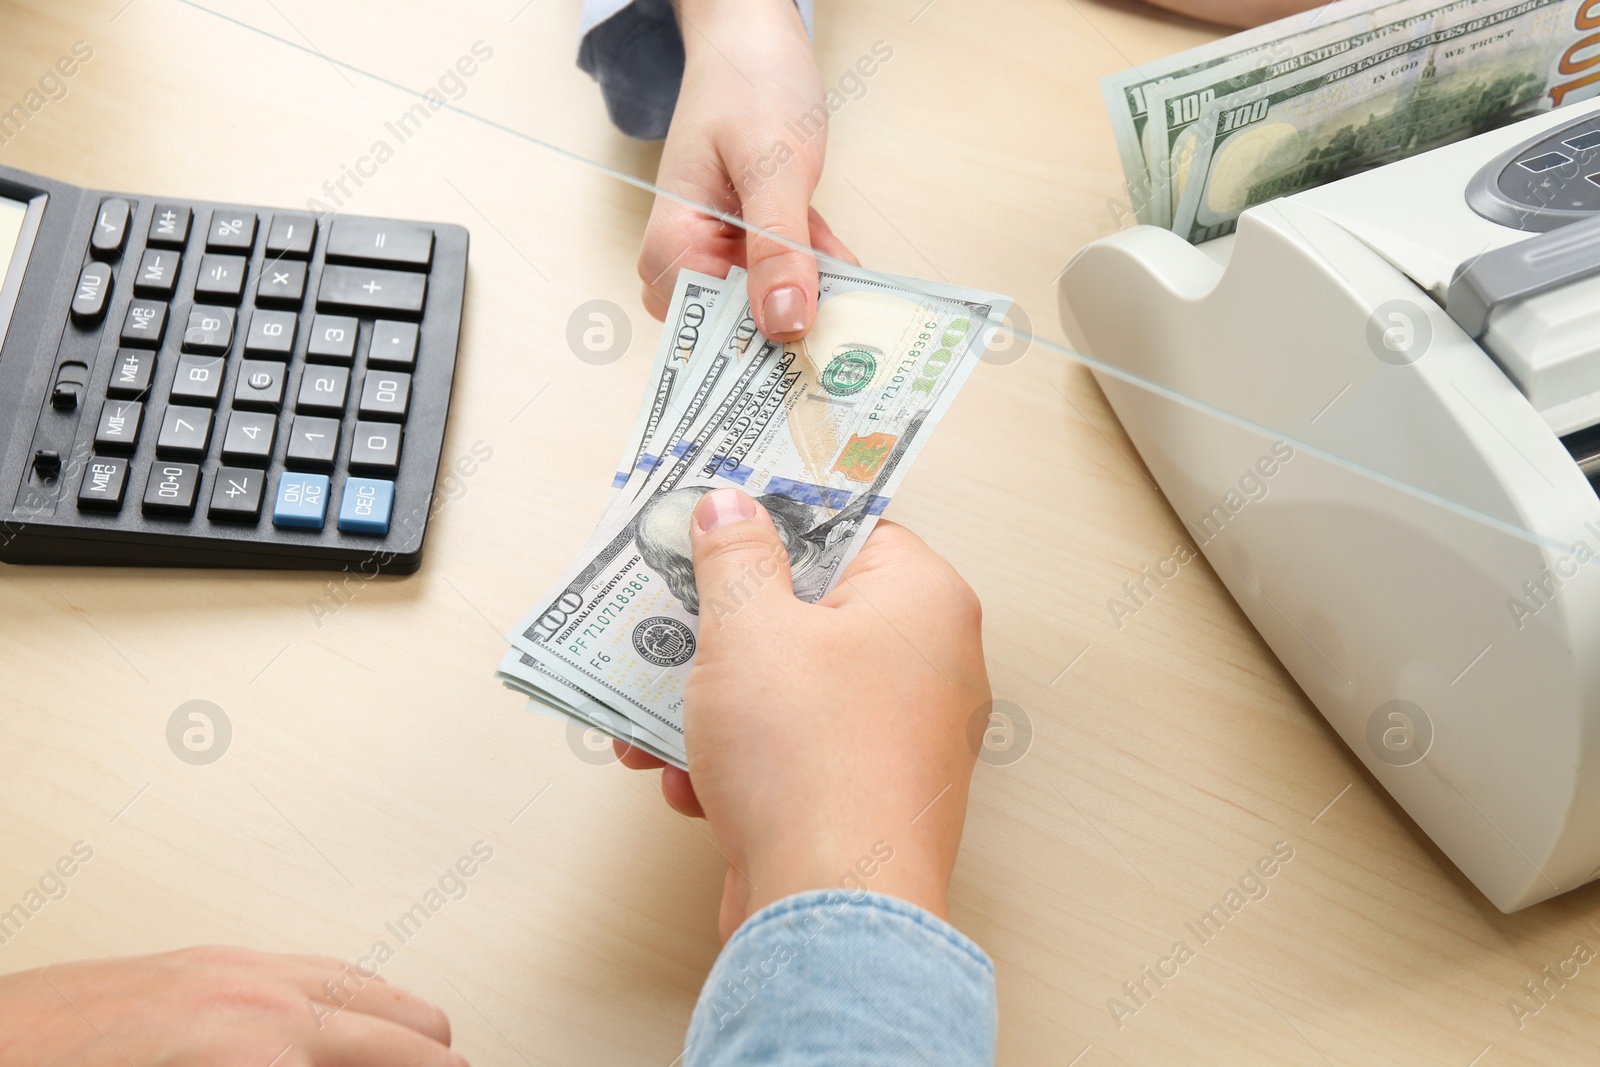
195 384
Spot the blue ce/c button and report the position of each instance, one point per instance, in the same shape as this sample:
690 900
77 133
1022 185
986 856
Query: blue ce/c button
302 501
367 505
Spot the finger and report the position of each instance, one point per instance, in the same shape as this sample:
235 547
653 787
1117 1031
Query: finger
824 240
783 279
635 758
351 1039
680 238
739 561
352 991
677 787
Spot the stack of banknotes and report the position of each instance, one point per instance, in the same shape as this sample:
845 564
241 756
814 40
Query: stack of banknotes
1342 88
821 431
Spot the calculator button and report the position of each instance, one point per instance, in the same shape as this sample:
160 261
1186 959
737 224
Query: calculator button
271 334
221 278
394 344
302 500
158 273
185 432
130 375
366 506
282 283
385 396
110 229
312 443
171 489
376 448
169 226
260 385
210 331
333 339
231 231
89 299
291 236
380 242
236 495
198 380
248 440
322 390
145 325
367 289
104 478
118 430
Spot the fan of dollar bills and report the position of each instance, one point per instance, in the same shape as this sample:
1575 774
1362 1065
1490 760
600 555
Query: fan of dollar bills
821 431
1341 88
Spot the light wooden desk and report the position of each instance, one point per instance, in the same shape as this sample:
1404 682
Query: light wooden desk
372 747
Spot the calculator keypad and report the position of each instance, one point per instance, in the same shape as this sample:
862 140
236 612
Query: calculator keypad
255 374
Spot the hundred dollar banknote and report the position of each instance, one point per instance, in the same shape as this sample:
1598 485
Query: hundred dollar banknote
1127 93
821 431
694 299
1362 87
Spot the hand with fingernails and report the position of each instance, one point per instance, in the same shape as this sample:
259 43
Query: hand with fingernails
816 731
747 138
200 1007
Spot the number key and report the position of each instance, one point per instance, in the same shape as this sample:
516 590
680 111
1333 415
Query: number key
376 448
260 385
333 339
271 334
198 379
385 396
185 433
248 440
312 443
322 390
210 331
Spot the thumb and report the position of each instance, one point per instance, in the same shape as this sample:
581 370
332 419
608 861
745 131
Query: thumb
739 558
783 280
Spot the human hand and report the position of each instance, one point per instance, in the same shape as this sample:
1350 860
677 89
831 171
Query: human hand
216 1007
822 735
750 92
1237 13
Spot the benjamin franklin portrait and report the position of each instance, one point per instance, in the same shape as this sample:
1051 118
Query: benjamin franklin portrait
662 533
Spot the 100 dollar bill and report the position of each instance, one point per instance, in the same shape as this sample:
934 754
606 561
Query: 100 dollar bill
820 431
1465 68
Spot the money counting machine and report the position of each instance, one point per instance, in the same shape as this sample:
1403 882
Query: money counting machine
1423 341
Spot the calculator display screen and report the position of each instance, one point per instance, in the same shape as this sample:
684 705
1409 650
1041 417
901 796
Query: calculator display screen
12 214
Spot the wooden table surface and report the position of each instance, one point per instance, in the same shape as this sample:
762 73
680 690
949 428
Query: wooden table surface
371 746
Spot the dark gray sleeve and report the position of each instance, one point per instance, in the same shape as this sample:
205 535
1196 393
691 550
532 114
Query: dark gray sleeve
633 49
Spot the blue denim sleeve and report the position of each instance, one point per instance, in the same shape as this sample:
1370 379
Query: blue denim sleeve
825 978
633 49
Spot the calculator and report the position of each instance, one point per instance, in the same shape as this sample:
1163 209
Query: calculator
198 384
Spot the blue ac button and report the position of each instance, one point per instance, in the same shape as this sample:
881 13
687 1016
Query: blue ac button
302 501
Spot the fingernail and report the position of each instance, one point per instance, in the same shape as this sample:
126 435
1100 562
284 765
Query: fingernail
721 507
784 311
